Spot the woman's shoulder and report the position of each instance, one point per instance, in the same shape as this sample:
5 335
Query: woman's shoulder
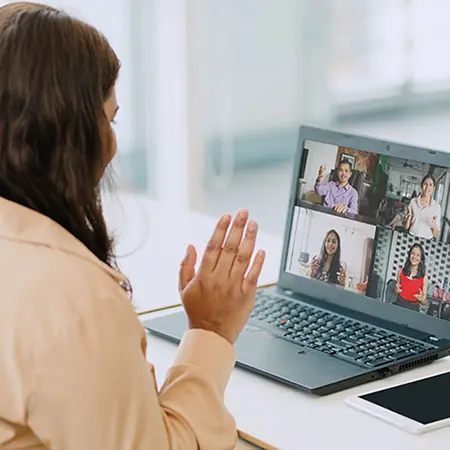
46 291
53 280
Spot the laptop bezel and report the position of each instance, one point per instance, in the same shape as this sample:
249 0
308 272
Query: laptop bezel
341 297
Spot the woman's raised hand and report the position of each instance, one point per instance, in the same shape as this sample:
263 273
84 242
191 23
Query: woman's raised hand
220 296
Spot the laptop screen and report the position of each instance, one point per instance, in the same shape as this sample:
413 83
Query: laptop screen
376 225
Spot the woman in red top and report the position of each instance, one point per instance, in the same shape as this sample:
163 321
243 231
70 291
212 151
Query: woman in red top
412 280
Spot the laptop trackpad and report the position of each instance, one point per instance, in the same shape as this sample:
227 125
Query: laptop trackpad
266 353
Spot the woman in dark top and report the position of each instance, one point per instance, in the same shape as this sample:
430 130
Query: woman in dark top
327 266
412 280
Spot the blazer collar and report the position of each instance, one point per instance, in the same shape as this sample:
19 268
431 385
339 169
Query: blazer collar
22 224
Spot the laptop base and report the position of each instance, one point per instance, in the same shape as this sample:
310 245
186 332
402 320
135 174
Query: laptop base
266 354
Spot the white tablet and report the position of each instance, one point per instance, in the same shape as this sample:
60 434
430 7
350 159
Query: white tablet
416 407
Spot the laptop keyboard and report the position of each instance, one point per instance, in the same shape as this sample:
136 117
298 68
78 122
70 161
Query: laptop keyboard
334 334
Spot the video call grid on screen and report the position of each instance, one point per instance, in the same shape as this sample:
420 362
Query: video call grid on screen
375 225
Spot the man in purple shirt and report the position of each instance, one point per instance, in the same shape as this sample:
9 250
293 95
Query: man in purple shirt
338 195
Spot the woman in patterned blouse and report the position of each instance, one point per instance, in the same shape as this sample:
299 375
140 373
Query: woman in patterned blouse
327 266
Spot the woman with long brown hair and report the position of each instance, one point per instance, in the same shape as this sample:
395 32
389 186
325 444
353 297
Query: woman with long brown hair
327 265
73 373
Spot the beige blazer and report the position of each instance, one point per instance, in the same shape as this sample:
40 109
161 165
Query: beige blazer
73 373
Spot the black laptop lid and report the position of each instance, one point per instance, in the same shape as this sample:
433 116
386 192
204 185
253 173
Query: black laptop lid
368 228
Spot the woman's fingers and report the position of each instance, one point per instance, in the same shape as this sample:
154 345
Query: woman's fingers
230 256
251 280
187 267
245 252
231 246
214 247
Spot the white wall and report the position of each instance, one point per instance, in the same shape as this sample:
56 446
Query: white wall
256 60
319 154
312 228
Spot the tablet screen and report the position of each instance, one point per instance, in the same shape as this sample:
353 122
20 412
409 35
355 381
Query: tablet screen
425 401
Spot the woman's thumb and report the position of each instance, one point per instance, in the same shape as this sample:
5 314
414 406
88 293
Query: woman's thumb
187 267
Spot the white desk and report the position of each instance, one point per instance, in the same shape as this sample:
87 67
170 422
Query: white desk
280 415
293 420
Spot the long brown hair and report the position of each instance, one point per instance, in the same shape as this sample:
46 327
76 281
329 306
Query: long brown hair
56 72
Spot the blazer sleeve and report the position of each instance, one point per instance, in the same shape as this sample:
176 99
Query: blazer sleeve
95 390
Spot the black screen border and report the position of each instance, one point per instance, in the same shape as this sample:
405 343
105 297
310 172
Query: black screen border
342 298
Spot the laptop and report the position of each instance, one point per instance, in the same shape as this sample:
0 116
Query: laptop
363 290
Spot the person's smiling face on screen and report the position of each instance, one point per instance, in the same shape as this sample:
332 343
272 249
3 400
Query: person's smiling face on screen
331 244
428 187
415 256
344 173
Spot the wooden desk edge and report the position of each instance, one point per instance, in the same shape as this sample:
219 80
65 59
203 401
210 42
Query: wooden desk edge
177 305
255 441
162 308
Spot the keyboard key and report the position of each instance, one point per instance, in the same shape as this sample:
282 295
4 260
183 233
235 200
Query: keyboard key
379 362
350 341
338 344
374 335
418 349
329 351
351 354
403 354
